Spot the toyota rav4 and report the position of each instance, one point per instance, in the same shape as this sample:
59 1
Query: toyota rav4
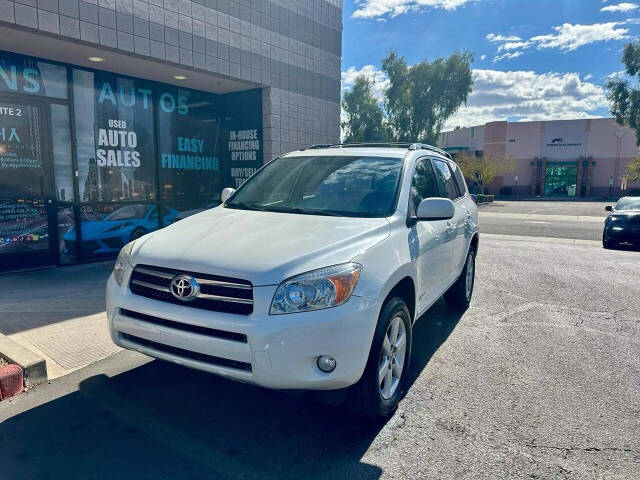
309 276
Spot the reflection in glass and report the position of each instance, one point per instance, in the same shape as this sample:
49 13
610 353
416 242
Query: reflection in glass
114 121
188 139
61 143
66 221
23 226
561 180
21 158
29 76
342 185
106 228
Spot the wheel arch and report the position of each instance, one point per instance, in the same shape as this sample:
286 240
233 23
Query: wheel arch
405 289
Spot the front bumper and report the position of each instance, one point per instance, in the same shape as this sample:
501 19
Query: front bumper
279 351
625 234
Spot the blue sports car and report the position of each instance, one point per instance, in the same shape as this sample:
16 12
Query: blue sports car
109 234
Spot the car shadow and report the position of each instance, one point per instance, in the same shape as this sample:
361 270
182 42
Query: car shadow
429 332
160 420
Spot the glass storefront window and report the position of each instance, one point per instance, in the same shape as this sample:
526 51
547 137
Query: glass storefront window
66 223
27 75
561 180
114 131
21 150
106 228
61 146
147 155
188 142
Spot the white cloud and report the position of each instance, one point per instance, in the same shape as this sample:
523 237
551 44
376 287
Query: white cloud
492 37
482 57
620 7
570 37
526 95
507 55
566 37
514 95
393 8
379 78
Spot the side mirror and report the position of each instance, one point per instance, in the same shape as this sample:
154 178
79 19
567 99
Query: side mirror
609 208
226 193
435 209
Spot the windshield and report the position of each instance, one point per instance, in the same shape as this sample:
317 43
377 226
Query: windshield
129 212
342 185
628 204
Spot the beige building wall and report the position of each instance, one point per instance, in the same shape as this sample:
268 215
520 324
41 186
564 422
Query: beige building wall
600 147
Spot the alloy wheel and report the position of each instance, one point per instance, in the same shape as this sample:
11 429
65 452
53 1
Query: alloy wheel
392 358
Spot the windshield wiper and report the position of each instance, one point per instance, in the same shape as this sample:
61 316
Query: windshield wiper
244 206
261 208
306 211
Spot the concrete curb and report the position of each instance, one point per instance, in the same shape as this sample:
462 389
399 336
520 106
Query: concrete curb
521 238
34 367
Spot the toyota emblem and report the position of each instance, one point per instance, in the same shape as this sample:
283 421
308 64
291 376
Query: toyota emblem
184 287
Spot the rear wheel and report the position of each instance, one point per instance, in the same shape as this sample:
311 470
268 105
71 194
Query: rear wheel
379 390
460 293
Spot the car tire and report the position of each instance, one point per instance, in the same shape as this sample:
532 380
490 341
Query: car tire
379 390
608 244
459 294
137 233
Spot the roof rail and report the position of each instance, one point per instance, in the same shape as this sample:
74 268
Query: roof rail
407 145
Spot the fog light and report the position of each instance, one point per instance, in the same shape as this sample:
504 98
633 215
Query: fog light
326 363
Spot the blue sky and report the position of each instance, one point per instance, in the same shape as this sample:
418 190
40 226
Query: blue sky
534 59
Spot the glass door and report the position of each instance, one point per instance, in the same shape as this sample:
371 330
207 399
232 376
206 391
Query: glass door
561 179
26 207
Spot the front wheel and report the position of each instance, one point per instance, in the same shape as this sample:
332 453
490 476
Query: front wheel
460 293
381 386
137 233
606 243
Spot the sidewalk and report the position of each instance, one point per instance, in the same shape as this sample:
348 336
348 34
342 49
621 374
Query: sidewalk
58 314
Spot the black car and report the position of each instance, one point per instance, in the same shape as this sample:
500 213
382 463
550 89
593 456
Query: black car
623 225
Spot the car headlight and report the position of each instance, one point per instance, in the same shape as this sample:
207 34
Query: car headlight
122 262
315 290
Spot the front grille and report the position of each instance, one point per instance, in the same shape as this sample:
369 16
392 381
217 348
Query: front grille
186 327
180 352
218 294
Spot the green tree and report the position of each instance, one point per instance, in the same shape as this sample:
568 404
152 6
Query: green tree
364 117
624 95
421 97
484 169
417 102
633 171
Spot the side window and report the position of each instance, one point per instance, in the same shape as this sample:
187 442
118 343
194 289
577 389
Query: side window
445 179
423 183
462 185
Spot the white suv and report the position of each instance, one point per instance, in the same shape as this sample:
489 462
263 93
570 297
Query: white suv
309 276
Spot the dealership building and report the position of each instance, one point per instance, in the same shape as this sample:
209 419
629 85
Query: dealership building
560 158
118 117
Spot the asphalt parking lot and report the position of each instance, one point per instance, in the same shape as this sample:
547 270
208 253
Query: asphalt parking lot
540 378
550 207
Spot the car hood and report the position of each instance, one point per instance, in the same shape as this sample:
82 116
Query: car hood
262 247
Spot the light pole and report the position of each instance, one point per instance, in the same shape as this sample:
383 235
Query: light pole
619 135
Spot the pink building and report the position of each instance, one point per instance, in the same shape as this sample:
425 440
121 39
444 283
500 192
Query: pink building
582 158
